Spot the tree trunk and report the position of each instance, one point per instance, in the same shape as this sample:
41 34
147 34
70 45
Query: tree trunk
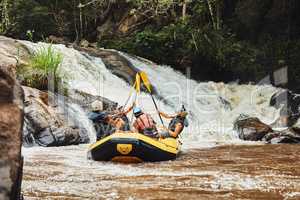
219 15
4 16
211 12
184 9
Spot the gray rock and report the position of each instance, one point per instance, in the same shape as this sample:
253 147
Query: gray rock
251 128
290 135
47 123
11 122
115 62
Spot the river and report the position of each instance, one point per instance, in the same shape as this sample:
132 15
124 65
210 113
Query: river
214 163
224 172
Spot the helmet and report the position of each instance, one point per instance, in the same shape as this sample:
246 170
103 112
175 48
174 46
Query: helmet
182 108
137 111
183 114
97 105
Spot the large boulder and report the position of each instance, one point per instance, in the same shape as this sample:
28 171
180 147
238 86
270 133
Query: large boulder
49 120
85 100
56 120
11 121
251 128
114 61
290 135
118 64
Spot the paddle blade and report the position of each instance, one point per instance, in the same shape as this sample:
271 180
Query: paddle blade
145 80
137 83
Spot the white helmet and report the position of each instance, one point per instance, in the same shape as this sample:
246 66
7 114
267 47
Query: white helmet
97 105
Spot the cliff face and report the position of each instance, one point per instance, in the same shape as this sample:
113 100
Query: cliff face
11 122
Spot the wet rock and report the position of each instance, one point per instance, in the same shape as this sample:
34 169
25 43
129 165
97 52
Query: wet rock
290 135
85 100
11 123
119 65
115 62
251 128
84 43
48 122
288 103
226 104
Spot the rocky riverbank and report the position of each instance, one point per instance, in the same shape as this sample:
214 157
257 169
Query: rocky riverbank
252 129
43 114
11 122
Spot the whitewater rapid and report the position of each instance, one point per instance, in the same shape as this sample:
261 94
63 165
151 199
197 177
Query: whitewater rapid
212 107
251 171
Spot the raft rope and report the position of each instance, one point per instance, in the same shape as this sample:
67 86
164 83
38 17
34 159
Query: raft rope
129 96
141 77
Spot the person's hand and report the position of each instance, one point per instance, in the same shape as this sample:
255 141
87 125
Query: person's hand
164 134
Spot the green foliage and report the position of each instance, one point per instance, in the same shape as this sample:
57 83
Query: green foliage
29 35
219 40
183 45
42 69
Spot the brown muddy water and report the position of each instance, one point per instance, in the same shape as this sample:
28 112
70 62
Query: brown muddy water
225 172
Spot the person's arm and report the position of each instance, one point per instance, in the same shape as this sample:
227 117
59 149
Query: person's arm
177 131
166 115
134 127
128 110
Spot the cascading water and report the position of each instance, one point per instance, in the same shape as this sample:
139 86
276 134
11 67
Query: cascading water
212 107
229 172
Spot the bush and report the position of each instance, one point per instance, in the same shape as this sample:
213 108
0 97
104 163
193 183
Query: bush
42 69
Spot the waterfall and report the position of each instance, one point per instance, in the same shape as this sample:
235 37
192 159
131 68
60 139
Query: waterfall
212 107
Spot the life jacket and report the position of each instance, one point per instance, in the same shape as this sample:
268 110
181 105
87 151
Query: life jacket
97 117
175 121
144 122
127 123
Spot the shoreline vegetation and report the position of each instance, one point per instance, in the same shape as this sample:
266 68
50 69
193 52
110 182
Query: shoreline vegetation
219 40
42 64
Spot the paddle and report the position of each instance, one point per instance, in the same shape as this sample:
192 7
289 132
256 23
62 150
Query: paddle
147 84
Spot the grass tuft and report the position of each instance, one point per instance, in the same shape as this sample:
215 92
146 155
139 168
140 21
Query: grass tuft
42 70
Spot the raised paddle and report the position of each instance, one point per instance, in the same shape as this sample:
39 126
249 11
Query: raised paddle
147 84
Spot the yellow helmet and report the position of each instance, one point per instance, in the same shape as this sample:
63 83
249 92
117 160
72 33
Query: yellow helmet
183 114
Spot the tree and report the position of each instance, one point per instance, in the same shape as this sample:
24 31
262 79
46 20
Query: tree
5 22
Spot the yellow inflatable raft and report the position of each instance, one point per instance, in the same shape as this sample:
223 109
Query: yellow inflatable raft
132 147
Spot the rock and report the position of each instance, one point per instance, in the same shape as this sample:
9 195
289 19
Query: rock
226 104
11 122
57 40
85 100
115 62
84 43
49 122
290 135
289 104
251 128
12 53
118 65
